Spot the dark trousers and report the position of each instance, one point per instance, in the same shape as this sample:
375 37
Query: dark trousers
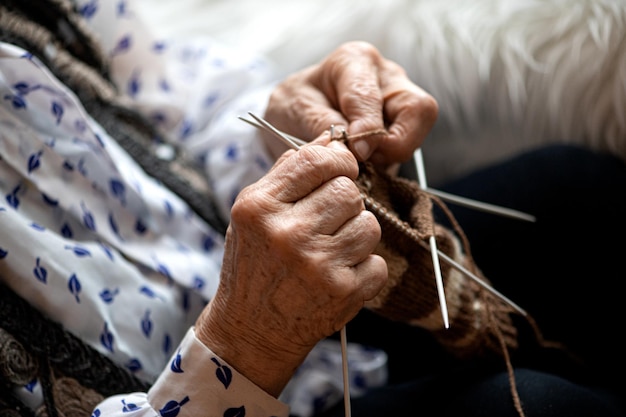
566 270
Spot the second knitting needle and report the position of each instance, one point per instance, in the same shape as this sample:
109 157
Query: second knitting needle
421 177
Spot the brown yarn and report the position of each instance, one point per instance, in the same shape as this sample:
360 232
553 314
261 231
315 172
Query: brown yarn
480 323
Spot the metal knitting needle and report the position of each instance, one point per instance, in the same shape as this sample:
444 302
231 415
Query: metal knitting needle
344 347
294 143
421 176
479 205
463 201
474 277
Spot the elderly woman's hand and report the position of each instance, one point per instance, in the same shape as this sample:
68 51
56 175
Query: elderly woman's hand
357 89
298 264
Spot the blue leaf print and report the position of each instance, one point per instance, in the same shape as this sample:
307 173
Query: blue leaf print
134 85
80 125
159 46
210 99
158 117
129 407
81 167
99 139
146 324
3 253
30 387
89 9
186 129
66 231
79 251
169 210
208 244
231 152
37 226
118 189
106 338
88 219
164 85
22 87
114 226
123 45
107 250
134 365
74 286
167 343
176 365
148 291
49 200
12 198
68 166
172 408
121 8
17 102
108 295
223 373
40 272
140 227
262 163
235 412
96 413
57 111
198 282
162 269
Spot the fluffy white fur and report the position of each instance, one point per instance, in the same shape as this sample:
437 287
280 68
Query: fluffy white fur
508 74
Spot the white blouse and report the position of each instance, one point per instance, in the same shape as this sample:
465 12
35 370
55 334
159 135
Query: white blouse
99 246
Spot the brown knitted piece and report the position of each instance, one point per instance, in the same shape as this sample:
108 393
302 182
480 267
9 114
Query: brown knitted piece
479 321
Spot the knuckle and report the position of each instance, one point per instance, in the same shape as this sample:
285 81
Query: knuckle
360 48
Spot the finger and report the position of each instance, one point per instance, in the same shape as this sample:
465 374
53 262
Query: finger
351 77
330 206
356 240
372 275
306 170
411 114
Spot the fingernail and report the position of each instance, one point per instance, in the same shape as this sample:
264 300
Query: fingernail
361 149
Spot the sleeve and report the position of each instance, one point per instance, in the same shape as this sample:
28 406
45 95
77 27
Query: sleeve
195 383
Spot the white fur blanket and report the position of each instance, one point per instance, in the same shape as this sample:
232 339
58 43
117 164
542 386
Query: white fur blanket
508 74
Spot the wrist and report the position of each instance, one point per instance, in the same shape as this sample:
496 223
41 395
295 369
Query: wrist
268 365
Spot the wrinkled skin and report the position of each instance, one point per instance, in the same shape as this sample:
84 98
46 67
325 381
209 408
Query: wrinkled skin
298 261
298 264
357 89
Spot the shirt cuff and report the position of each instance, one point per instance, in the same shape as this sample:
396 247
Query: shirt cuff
198 381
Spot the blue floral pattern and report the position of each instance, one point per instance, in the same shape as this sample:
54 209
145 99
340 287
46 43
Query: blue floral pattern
100 246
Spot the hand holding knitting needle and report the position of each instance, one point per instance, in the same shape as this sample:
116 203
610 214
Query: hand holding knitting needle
298 264
356 89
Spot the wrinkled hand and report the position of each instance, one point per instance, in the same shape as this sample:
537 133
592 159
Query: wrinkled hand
359 90
298 264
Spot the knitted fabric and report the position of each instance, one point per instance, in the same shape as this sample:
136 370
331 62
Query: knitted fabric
479 322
